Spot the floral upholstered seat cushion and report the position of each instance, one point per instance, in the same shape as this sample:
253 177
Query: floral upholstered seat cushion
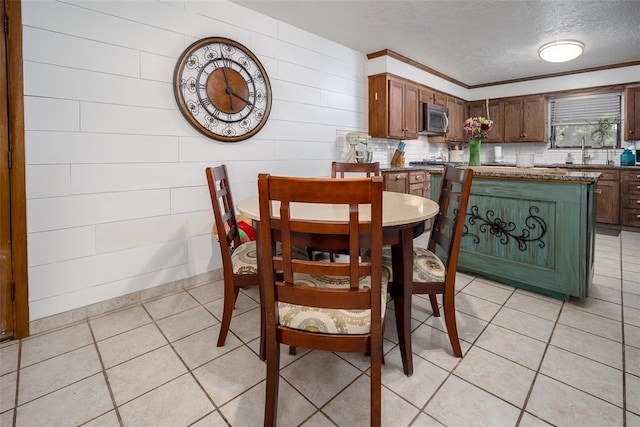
326 320
427 267
245 257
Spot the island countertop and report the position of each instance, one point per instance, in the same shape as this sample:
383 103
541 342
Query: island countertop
539 173
559 174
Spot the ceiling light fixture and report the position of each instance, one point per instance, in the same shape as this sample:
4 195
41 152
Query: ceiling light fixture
561 51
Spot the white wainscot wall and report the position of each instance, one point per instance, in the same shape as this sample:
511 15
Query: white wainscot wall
117 200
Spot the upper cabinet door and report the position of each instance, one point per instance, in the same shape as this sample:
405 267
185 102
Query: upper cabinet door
513 116
457 111
524 119
411 111
396 110
632 114
496 114
393 108
534 124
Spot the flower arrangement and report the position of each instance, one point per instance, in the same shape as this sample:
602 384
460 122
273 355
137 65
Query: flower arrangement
477 127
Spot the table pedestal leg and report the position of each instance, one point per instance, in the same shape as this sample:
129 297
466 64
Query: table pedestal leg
402 258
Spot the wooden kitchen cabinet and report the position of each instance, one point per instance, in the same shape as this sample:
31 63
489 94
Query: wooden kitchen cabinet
419 183
630 197
496 113
393 107
525 119
457 116
632 114
430 96
416 182
396 181
608 198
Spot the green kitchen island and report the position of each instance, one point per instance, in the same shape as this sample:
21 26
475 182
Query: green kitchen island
533 228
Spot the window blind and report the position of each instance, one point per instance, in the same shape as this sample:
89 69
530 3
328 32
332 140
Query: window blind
586 109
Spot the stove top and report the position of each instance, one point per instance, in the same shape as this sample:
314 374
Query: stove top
434 163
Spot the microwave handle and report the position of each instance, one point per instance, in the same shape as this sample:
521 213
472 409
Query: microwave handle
446 122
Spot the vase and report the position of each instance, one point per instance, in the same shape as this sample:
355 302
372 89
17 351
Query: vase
474 151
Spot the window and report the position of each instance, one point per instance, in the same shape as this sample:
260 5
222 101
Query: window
596 118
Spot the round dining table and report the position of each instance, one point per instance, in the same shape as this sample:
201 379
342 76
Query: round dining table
404 217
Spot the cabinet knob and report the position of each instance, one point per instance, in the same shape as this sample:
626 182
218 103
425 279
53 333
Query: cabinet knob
416 177
631 131
397 177
638 187
637 176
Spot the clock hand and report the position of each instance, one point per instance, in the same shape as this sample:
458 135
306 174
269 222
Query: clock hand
242 99
229 89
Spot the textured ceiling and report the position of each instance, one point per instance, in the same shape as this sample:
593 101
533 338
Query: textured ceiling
474 42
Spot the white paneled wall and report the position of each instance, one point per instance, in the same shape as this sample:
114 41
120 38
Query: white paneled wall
116 193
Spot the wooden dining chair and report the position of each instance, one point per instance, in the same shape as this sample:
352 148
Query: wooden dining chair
321 305
342 168
348 170
434 268
239 260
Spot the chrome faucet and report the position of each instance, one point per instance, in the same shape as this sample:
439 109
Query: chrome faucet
585 156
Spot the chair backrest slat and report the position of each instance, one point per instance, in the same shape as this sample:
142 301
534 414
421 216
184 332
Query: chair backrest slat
223 213
342 168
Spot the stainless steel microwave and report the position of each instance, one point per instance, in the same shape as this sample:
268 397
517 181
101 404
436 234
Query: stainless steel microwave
435 119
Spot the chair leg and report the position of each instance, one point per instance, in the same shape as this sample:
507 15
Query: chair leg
292 350
450 321
376 387
434 305
272 383
236 292
227 312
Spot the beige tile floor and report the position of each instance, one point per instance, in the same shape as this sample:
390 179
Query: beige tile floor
529 361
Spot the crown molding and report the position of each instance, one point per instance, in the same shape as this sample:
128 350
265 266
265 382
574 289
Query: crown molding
409 61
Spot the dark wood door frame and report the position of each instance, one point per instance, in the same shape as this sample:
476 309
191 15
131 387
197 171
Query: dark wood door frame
15 131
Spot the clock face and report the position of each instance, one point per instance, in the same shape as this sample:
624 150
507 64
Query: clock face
222 89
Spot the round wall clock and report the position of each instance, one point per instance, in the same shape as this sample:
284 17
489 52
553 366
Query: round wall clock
222 89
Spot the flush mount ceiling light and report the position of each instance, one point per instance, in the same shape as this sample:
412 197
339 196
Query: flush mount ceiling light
561 51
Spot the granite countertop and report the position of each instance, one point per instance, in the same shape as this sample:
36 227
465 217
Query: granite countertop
535 173
541 173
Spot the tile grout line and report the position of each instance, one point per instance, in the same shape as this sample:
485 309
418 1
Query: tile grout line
15 402
189 371
537 371
105 376
450 373
624 359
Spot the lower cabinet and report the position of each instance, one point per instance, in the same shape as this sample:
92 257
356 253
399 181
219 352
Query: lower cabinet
535 235
416 182
630 198
608 198
396 181
410 182
419 183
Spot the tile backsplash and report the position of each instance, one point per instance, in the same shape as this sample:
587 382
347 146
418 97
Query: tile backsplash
422 149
